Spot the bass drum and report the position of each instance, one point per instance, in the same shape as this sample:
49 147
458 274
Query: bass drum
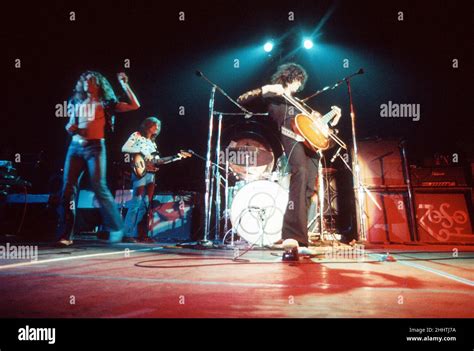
257 212
254 138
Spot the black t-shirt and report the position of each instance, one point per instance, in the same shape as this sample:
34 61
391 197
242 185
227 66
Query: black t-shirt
278 109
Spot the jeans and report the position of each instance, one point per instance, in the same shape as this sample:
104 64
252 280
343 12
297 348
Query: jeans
91 155
136 221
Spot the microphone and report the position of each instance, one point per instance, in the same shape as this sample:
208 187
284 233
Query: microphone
198 73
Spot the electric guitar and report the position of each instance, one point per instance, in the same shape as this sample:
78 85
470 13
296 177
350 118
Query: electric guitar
141 165
314 129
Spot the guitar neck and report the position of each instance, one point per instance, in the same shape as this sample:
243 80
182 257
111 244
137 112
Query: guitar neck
328 116
165 160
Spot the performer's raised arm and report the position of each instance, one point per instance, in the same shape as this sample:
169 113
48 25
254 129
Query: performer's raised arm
126 106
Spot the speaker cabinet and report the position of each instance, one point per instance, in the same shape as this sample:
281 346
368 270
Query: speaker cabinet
380 163
387 222
444 215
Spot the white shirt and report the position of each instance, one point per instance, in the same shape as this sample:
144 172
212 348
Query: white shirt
138 143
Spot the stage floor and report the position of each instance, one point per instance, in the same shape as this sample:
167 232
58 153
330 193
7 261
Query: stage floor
144 281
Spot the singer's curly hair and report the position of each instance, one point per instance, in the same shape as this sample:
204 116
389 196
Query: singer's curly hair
288 73
106 93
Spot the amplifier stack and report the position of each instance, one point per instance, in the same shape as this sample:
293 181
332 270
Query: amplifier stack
441 199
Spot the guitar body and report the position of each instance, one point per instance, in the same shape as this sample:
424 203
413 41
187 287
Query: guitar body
313 133
141 167
315 130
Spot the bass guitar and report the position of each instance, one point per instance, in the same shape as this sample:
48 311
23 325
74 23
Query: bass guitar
142 165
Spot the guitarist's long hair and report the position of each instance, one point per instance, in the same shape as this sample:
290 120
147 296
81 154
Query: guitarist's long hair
289 72
147 124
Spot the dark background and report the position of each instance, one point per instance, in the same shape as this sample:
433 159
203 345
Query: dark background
405 62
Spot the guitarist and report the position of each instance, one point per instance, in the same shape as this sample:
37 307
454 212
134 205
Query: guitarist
289 79
141 142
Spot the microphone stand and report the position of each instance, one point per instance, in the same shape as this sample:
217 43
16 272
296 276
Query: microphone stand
359 188
334 86
208 195
207 181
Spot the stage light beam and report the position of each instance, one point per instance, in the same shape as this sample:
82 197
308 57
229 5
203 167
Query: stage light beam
308 44
268 46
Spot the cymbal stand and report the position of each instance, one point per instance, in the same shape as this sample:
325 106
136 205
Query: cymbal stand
226 200
218 188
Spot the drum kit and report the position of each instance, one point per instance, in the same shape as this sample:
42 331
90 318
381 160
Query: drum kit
257 200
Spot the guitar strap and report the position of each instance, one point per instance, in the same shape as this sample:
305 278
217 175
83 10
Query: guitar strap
290 134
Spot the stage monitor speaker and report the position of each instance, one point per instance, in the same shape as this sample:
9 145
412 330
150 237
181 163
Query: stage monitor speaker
389 224
444 215
380 163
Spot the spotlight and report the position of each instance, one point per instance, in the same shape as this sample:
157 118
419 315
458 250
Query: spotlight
268 46
308 44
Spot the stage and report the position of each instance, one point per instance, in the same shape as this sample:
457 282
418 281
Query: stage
94 280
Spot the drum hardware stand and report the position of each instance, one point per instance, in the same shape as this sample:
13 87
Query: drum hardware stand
217 175
247 165
207 199
222 181
226 200
208 195
262 221
364 188
320 199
